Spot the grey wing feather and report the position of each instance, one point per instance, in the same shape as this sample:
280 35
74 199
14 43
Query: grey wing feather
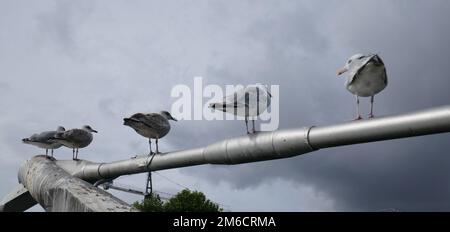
237 96
154 120
237 99
380 62
74 135
43 137
242 97
358 66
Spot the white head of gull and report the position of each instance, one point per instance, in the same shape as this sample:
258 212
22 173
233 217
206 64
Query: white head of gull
366 77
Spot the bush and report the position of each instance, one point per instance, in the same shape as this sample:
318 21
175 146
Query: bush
184 201
151 203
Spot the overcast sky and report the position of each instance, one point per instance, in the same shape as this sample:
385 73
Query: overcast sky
72 63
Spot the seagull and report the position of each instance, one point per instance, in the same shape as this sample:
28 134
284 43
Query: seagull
75 139
151 126
43 140
250 101
366 76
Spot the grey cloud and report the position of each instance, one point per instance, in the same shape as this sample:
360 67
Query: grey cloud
4 86
56 26
365 177
124 57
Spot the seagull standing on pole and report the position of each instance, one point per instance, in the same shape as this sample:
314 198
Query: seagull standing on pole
151 126
366 76
43 140
247 102
75 139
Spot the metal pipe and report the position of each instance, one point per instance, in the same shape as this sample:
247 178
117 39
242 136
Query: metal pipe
250 148
425 122
56 190
277 144
51 182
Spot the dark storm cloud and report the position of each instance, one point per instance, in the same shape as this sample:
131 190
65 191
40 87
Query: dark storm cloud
133 53
411 37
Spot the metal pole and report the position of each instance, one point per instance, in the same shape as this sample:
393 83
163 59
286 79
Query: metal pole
425 122
56 190
52 183
278 144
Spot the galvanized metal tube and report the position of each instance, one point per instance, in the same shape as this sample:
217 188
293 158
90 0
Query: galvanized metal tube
56 190
250 148
141 164
279 144
43 177
425 122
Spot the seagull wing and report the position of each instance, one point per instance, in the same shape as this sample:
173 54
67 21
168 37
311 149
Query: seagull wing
44 137
379 62
357 66
154 120
74 135
235 100
237 97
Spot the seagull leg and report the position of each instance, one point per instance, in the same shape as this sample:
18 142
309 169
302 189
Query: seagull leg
358 117
253 122
371 107
46 152
150 146
246 124
52 152
76 156
73 153
157 149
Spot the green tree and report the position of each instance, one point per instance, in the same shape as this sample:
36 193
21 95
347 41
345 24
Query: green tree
187 201
184 201
151 203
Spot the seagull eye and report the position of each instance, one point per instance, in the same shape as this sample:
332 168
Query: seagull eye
349 61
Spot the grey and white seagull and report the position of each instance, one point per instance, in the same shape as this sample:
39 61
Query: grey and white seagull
247 102
151 126
366 76
75 139
43 140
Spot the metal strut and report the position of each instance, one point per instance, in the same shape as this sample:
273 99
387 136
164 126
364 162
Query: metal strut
149 186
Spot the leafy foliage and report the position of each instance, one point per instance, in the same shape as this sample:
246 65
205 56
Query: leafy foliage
184 201
151 203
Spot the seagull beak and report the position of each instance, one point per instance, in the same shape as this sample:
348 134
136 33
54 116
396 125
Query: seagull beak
94 131
174 119
341 71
